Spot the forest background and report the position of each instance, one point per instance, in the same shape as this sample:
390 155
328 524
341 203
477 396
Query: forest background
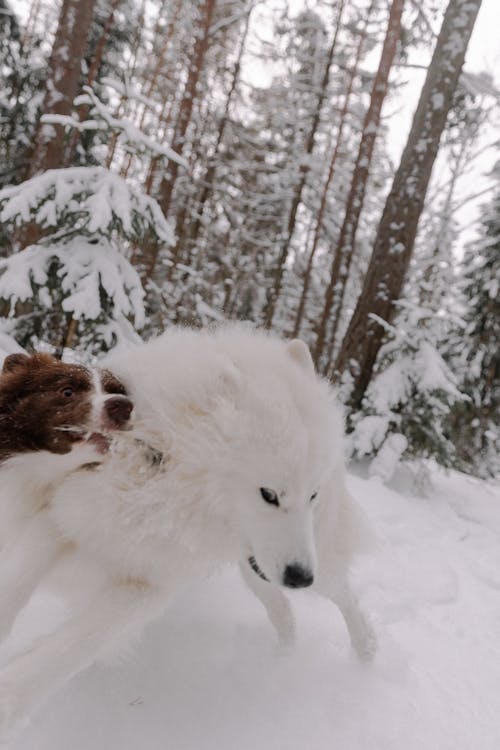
185 161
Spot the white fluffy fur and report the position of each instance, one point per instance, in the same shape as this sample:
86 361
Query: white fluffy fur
29 542
231 411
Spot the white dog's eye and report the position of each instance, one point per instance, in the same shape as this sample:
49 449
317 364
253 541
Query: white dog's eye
313 496
269 496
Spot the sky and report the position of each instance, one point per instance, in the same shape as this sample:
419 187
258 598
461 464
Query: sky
484 48
483 55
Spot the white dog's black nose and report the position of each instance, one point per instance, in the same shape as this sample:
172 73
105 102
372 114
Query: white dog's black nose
297 577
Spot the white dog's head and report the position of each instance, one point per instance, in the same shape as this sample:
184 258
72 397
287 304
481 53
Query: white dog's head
276 443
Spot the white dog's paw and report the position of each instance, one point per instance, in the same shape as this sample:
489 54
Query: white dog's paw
5 628
286 633
10 610
8 713
366 644
13 711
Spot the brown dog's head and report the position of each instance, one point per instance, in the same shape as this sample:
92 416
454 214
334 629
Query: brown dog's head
49 405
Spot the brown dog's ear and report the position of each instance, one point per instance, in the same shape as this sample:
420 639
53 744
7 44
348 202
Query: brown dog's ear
42 359
14 362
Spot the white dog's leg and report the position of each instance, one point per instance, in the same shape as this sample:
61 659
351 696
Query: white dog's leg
23 564
334 585
275 603
339 538
29 679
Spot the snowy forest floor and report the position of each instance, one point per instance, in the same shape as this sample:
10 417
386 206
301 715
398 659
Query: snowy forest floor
209 675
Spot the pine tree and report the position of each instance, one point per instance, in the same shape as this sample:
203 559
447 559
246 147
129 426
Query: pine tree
476 423
23 72
406 407
77 280
76 285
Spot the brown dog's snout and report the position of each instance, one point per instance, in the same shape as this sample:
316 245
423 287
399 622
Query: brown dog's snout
118 410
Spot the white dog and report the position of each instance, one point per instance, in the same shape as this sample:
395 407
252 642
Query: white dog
236 456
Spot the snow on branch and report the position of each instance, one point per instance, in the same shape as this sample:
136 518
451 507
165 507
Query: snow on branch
86 273
127 90
129 135
406 406
87 201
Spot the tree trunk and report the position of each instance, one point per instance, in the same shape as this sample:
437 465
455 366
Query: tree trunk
167 38
32 21
150 84
121 109
275 289
396 233
62 82
163 120
331 171
210 173
345 246
441 240
83 110
207 8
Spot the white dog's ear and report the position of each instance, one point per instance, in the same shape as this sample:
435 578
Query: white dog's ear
225 385
229 380
222 387
299 352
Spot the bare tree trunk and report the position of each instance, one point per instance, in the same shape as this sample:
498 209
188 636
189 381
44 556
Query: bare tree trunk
431 293
134 49
331 170
188 206
345 246
207 8
427 294
163 119
274 291
62 82
167 37
32 21
397 229
70 333
210 173
101 44
83 110
153 80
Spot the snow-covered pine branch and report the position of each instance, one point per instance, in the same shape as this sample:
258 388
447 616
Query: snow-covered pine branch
77 274
90 281
84 201
407 406
99 118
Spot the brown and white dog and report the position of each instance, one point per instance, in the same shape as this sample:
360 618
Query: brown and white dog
54 418
48 405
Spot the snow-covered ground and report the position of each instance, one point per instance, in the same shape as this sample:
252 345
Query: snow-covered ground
209 675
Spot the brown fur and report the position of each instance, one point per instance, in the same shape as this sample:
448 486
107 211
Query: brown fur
40 397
